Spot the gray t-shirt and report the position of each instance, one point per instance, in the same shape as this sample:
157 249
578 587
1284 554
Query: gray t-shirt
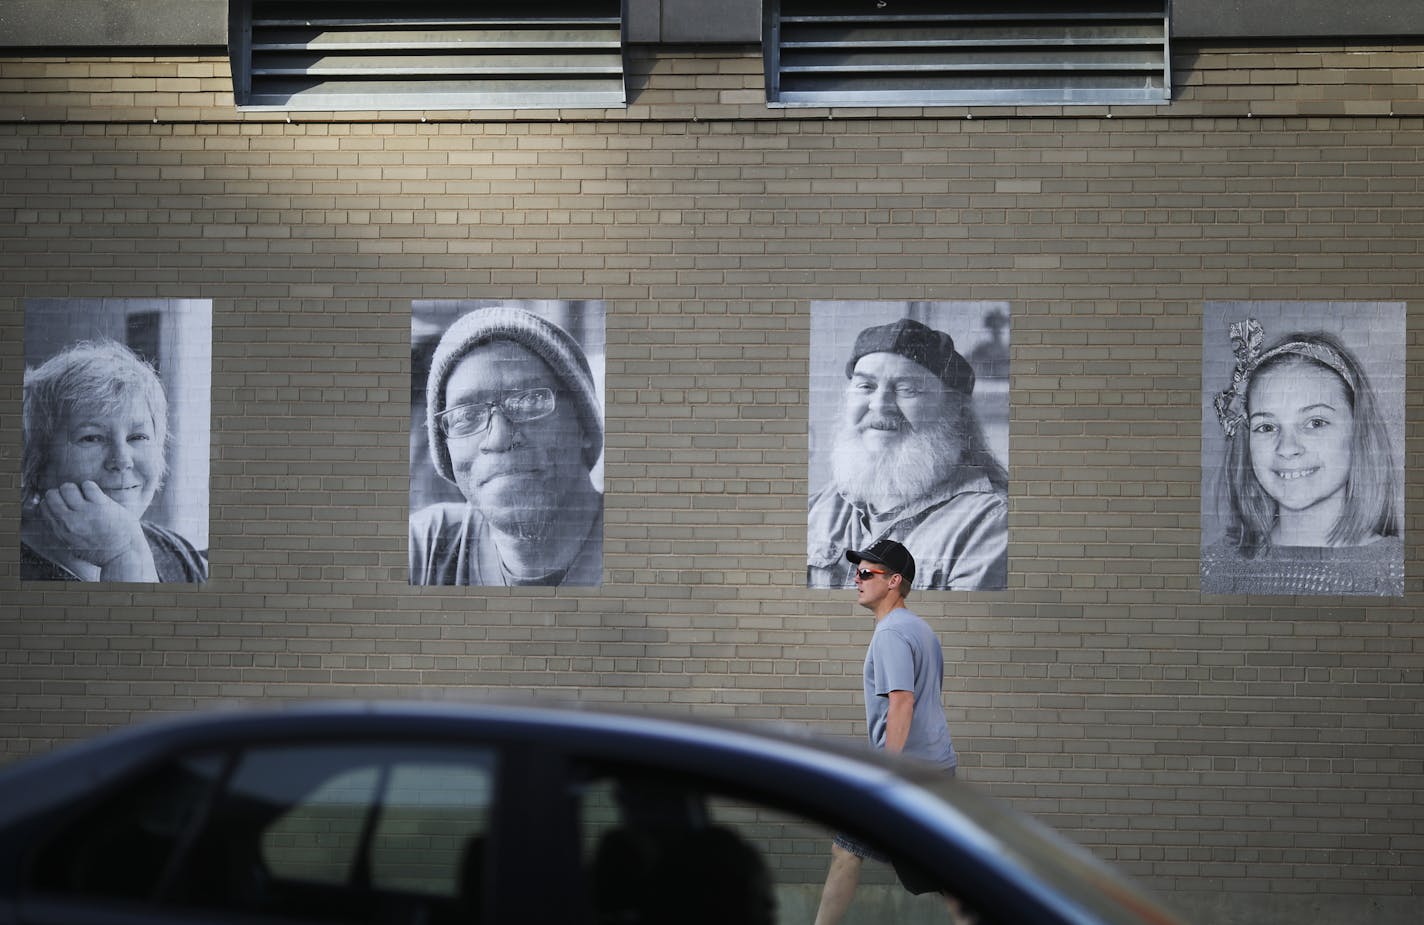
905 655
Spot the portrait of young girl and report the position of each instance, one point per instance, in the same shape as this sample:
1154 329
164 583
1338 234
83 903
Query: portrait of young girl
1305 482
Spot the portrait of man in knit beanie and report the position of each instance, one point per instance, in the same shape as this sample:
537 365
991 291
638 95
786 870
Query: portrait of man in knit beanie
506 480
909 428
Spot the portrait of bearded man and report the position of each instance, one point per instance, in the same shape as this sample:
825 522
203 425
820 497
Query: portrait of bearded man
910 462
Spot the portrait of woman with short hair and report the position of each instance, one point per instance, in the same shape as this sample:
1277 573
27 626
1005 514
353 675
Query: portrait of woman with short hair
98 454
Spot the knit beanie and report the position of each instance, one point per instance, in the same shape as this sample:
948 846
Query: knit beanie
544 339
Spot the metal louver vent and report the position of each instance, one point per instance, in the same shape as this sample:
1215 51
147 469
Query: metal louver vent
426 54
1008 52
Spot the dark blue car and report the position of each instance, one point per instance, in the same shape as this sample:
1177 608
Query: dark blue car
438 814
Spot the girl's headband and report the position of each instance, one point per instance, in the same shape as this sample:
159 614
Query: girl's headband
1246 337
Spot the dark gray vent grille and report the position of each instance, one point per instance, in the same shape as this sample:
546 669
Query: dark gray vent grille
389 54
920 53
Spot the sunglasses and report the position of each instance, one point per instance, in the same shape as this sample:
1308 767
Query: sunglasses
865 574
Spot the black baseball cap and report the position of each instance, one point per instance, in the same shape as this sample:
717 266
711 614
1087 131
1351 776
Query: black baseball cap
889 554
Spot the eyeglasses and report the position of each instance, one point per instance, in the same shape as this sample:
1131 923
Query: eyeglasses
865 574
474 418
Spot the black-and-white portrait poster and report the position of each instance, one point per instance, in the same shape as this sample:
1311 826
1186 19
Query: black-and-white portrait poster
116 416
909 440
506 443
1303 448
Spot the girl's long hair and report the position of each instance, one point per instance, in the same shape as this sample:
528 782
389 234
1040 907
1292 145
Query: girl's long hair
1370 489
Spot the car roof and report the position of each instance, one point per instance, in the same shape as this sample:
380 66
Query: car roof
688 743
508 719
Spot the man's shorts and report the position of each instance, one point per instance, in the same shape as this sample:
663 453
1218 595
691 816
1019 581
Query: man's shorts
911 879
860 849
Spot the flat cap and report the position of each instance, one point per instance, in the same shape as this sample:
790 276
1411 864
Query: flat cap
934 350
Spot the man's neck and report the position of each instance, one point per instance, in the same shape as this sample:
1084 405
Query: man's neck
891 603
528 558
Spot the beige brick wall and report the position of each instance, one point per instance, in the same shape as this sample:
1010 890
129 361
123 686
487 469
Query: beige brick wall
1255 760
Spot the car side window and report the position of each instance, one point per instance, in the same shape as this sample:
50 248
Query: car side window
672 849
417 842
652 856
123 848
318 838
668 849
349 833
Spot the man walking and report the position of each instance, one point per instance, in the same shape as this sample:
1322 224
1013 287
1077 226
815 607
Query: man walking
904 671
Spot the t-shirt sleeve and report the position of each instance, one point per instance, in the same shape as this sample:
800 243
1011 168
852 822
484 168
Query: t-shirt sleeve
894 663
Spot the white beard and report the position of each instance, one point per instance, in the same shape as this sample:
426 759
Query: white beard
885 479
